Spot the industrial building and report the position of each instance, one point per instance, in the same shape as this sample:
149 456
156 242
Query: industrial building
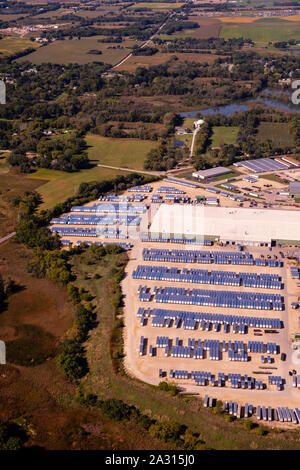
261 165
295 190
240 225
211 173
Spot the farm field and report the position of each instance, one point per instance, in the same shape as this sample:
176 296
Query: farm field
277 132
156 6
10 45
161 58
263 33
129 153
224 135
277 19
256 19
54 13
209 27
11 17
75 51
62 185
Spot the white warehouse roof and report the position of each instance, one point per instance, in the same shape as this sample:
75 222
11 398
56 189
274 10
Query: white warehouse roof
295 188
227 223
211 172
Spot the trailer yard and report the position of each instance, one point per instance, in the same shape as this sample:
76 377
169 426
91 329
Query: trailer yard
197 336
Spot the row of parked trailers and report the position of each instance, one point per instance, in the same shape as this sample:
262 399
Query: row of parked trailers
111 208
204 378
207 257
180 316
170 190
141 189
237 410
114 198
145 237
89 232
181 182
81 219
198 346
158 199
203 276
296 381
212 298
282 414
294 272
265 413
125 246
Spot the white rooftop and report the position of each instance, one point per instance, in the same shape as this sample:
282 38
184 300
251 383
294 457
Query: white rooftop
228 223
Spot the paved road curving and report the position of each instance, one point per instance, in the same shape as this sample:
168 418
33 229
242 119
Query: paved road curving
7 237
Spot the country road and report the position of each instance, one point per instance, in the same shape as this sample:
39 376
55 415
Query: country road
7 237
193 140
145 44
152 173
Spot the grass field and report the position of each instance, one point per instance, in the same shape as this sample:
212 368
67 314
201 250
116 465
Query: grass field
76 51
232 174
186 138
276 19
188 123
272 177
126 153
224 135
263 33
277 132
115 152
11 45
62 185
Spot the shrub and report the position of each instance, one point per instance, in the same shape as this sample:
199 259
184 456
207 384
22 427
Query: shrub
72 361
166 431
219 407
261 431
248 425
173 389
229 418
85 398
116 409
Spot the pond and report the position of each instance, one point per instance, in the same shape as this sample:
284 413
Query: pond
230 109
